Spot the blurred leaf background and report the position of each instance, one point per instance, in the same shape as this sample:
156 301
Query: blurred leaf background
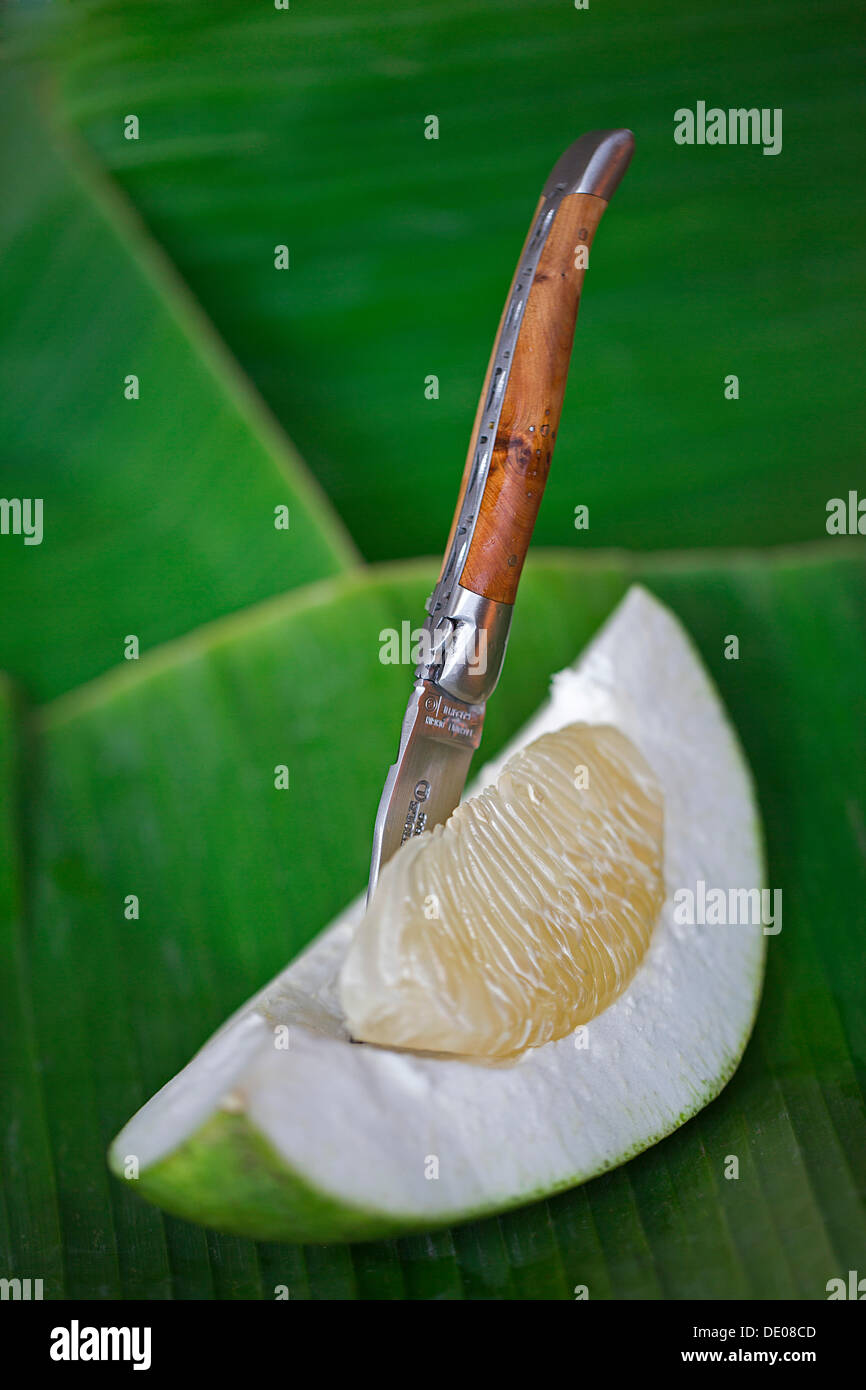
305 388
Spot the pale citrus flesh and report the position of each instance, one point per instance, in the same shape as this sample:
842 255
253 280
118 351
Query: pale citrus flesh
525 915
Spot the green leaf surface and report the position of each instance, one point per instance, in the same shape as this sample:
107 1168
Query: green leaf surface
30 1238
305 127
158 781
158 512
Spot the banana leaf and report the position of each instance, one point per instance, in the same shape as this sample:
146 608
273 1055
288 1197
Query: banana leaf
156 780
305 127
158 511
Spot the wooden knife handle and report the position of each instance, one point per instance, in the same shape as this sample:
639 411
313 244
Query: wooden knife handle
532 405
532 402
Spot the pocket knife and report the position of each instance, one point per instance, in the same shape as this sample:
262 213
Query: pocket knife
463 640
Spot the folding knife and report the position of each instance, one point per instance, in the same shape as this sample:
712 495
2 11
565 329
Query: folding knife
463 640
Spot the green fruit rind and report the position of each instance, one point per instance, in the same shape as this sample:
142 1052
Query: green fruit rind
228 1176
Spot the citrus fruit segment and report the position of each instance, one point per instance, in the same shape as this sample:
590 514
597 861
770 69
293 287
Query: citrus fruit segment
523 916
282 1129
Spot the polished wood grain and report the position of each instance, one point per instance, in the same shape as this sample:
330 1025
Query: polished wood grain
531 408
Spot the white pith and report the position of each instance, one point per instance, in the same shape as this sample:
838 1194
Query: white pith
360 1123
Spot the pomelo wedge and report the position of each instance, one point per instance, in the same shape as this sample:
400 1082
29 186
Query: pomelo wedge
523 916
281 1128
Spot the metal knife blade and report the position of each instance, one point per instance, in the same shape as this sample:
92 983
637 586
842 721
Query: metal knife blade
440 733
469 612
